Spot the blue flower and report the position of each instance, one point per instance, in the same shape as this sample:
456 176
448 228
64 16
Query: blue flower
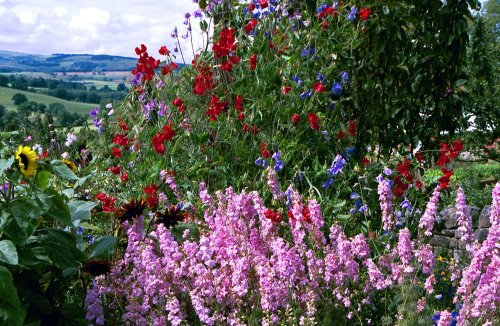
344 76
387 171
357 203
304 53
328 183
406 204
363 208
303 95
337 89
354 195
337 165
321 77
279 165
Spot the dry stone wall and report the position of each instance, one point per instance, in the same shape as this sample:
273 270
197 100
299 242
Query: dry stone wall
446 237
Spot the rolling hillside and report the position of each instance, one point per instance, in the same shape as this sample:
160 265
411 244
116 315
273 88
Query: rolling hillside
7 93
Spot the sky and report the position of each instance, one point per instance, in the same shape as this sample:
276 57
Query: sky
112 27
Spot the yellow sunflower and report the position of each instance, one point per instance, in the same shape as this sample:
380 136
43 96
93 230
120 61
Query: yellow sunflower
70 164
26 158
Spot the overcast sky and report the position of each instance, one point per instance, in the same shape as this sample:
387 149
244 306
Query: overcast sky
92 26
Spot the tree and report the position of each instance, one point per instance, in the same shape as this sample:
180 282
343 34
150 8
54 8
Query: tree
121 87
19 99
4 81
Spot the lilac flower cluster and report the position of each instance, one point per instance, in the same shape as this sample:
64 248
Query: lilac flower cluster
464 219
426 222
385 198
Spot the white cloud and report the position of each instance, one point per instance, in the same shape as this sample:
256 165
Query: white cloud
92 26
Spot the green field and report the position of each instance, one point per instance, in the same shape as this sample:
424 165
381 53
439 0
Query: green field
78 107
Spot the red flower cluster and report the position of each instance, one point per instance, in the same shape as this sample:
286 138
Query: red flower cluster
107 202
446 153
401 181
314 121
226 43
364 13
124 176
273 216
158 141
117 152
329 11
115 169
263 4
121 140
152 198
179 104
285 90
264 152
203 81
251 25
145 64
253 130
215 108
164 51
295 118
172 66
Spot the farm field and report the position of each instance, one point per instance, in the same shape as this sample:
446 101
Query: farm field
7 93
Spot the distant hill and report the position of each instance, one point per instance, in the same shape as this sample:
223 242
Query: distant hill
59 62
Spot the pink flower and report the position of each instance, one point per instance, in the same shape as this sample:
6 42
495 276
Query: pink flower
427 220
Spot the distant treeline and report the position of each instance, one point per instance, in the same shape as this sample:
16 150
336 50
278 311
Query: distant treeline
71 91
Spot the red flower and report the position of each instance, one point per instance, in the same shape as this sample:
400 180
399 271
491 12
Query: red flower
254 131
263 151
253 62
121 140
273 216
314 121
263 4
285 90
295 118
319 87
115 169
177 102
168 131
443 160
100 196
151 189
306 215
324 25
238 103
419 157
123 126
163 50
365 161
158 142
341 134
153 200
241 116
226 66
124 176
251 25
251 6
364 13
418 184
116 152
352 126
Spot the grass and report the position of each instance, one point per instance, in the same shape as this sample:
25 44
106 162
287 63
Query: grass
78 107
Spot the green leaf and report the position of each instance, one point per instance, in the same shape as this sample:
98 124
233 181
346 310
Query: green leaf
60 247
19 220
59 210
10 308
5 164
42 179
104 247
8 252
80 209
203 25
179 229
62 170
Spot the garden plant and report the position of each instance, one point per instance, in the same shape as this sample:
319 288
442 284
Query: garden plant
292 173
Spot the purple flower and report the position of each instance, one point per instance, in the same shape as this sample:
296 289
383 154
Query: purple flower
328 183
387 171
344 76
94 111
426 222
197 13
337 165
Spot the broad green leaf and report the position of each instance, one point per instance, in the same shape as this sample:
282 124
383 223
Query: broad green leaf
10 308
5 164
60 247
59 211
19 221
62 170
42 179
8 252
104 247
80 209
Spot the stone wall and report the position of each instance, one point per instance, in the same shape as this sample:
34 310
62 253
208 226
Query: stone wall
446 238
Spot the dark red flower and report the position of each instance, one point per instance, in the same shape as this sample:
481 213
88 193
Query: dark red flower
153 200
314 121
163 50
226 66
273 216
251 25
365 161
251 6
295 118
241 116
117 152
263 4
124 176
285 90
115 169
238 103
319 87
419 157
341 134
352 127
151 189
263 151
253 62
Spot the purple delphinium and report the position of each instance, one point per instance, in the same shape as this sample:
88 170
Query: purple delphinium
426 222
464 219
385 198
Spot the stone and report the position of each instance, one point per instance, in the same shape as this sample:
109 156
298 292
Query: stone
481 234
458 233
448 233
448 215
440 240
484 217
453 243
